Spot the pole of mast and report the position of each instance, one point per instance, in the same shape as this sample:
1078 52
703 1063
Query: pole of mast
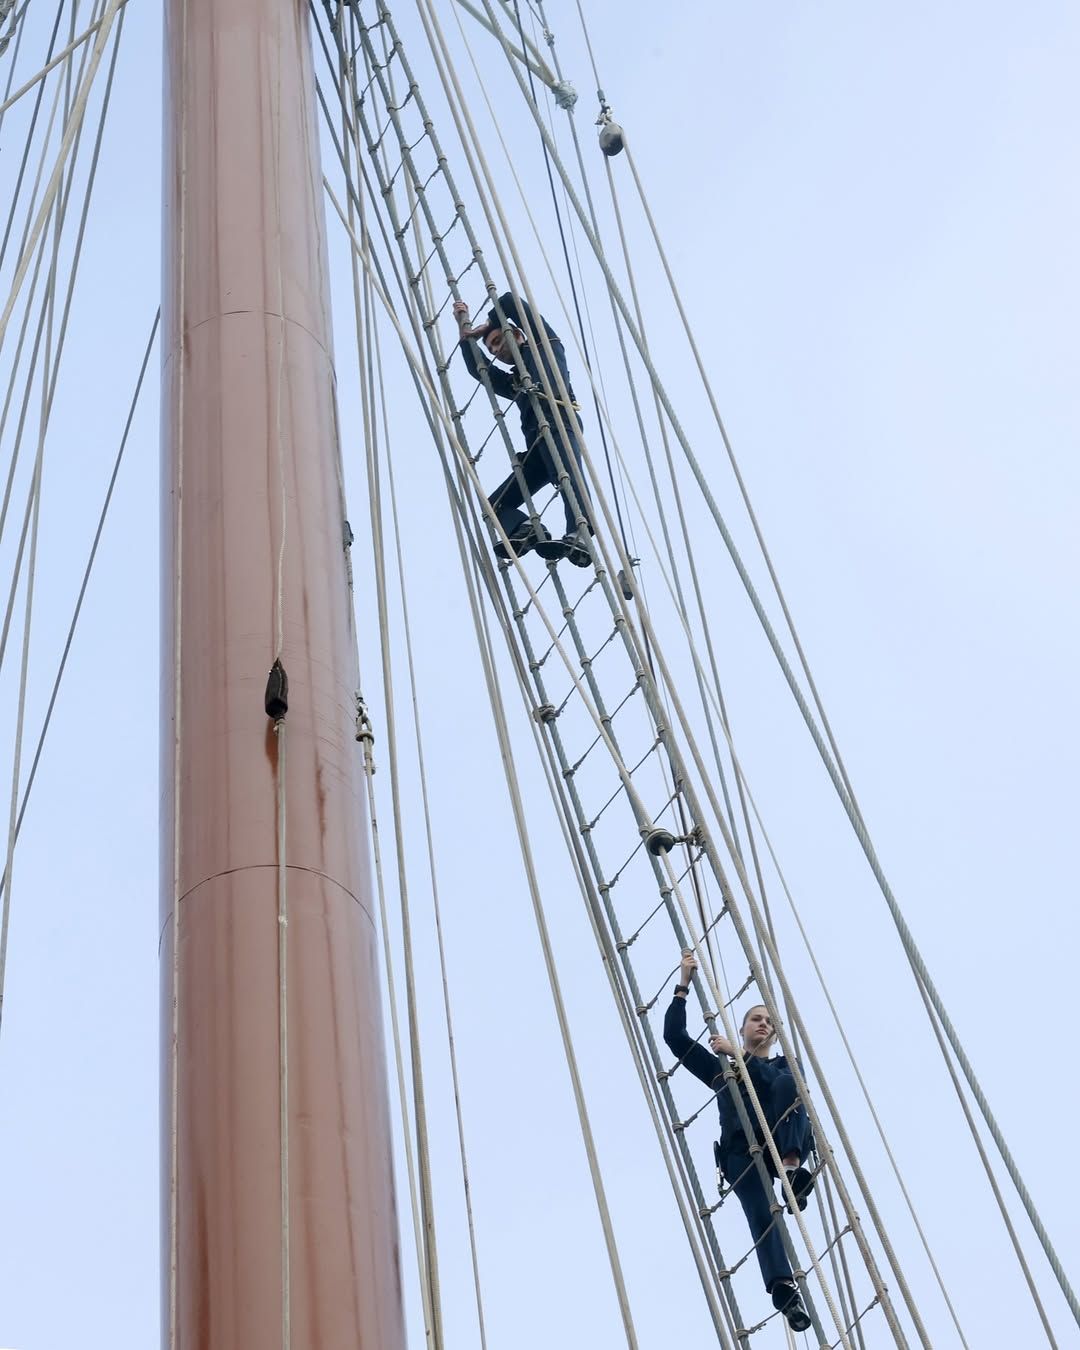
279 1225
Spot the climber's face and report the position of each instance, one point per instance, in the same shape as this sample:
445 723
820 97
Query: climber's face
496 343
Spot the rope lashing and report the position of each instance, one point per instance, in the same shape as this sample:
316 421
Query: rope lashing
565 94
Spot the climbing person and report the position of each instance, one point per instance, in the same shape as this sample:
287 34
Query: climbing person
536 466
775 1086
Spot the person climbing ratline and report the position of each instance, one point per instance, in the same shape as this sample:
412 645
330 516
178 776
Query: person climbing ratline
537 467
774 1084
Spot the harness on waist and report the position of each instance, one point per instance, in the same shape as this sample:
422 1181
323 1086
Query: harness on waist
531 387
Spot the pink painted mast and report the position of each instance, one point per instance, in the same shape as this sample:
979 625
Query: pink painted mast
279 1226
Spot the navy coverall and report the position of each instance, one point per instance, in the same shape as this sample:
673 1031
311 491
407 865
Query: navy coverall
775 1087
537 465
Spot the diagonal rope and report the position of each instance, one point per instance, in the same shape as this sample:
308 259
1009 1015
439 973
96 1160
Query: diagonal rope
533 598
384 300
563 394
914 956
66 652
50 66
50 372
440 943
74 122
527 859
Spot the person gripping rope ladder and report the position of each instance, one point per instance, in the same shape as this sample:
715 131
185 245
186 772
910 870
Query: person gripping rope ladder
774 1084
537 466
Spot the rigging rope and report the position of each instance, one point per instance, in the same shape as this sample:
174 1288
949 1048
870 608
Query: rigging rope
850 806
74 124
31 572
354 242
427 1208
10 99
49 377
702 611
81 597
419 1225
436 908
542 336
30 134
596 717
522 828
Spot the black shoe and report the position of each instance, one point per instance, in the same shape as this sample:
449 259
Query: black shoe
785 1298
802 1183
569 547
523 540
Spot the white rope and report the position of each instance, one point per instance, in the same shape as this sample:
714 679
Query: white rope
28 145
395 1029
74 123
64 197
13 379
72 275
488 510
427 1196
438 46
178 320
434 423
677 597
862 834
279 725
427 1203
752 804
520 822
702 610
591 375
411 1167
60 56
283 1027
624 1002
441 946
31 572
50 374
13 64
84 584
570 669
609 1237
535 61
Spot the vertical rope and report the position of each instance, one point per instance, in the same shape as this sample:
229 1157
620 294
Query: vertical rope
914 956
422 770
31 571
279 725
520 822
283 1028
178 601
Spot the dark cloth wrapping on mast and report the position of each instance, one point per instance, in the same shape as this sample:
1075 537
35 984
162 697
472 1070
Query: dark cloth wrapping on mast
774 1084
538 466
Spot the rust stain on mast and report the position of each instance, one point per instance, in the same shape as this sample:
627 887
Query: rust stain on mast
249 458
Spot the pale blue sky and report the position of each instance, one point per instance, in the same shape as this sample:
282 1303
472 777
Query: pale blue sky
874 219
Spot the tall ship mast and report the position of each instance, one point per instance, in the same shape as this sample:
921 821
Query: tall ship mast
279 1217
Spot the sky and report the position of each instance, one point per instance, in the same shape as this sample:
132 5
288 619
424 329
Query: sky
872 219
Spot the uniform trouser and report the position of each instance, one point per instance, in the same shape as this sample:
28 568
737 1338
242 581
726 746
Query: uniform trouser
538 468
792 1135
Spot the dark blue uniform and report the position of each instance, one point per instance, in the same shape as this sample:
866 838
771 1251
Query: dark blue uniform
537 464
774 1084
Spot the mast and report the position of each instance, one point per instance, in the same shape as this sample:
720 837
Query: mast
279 1225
